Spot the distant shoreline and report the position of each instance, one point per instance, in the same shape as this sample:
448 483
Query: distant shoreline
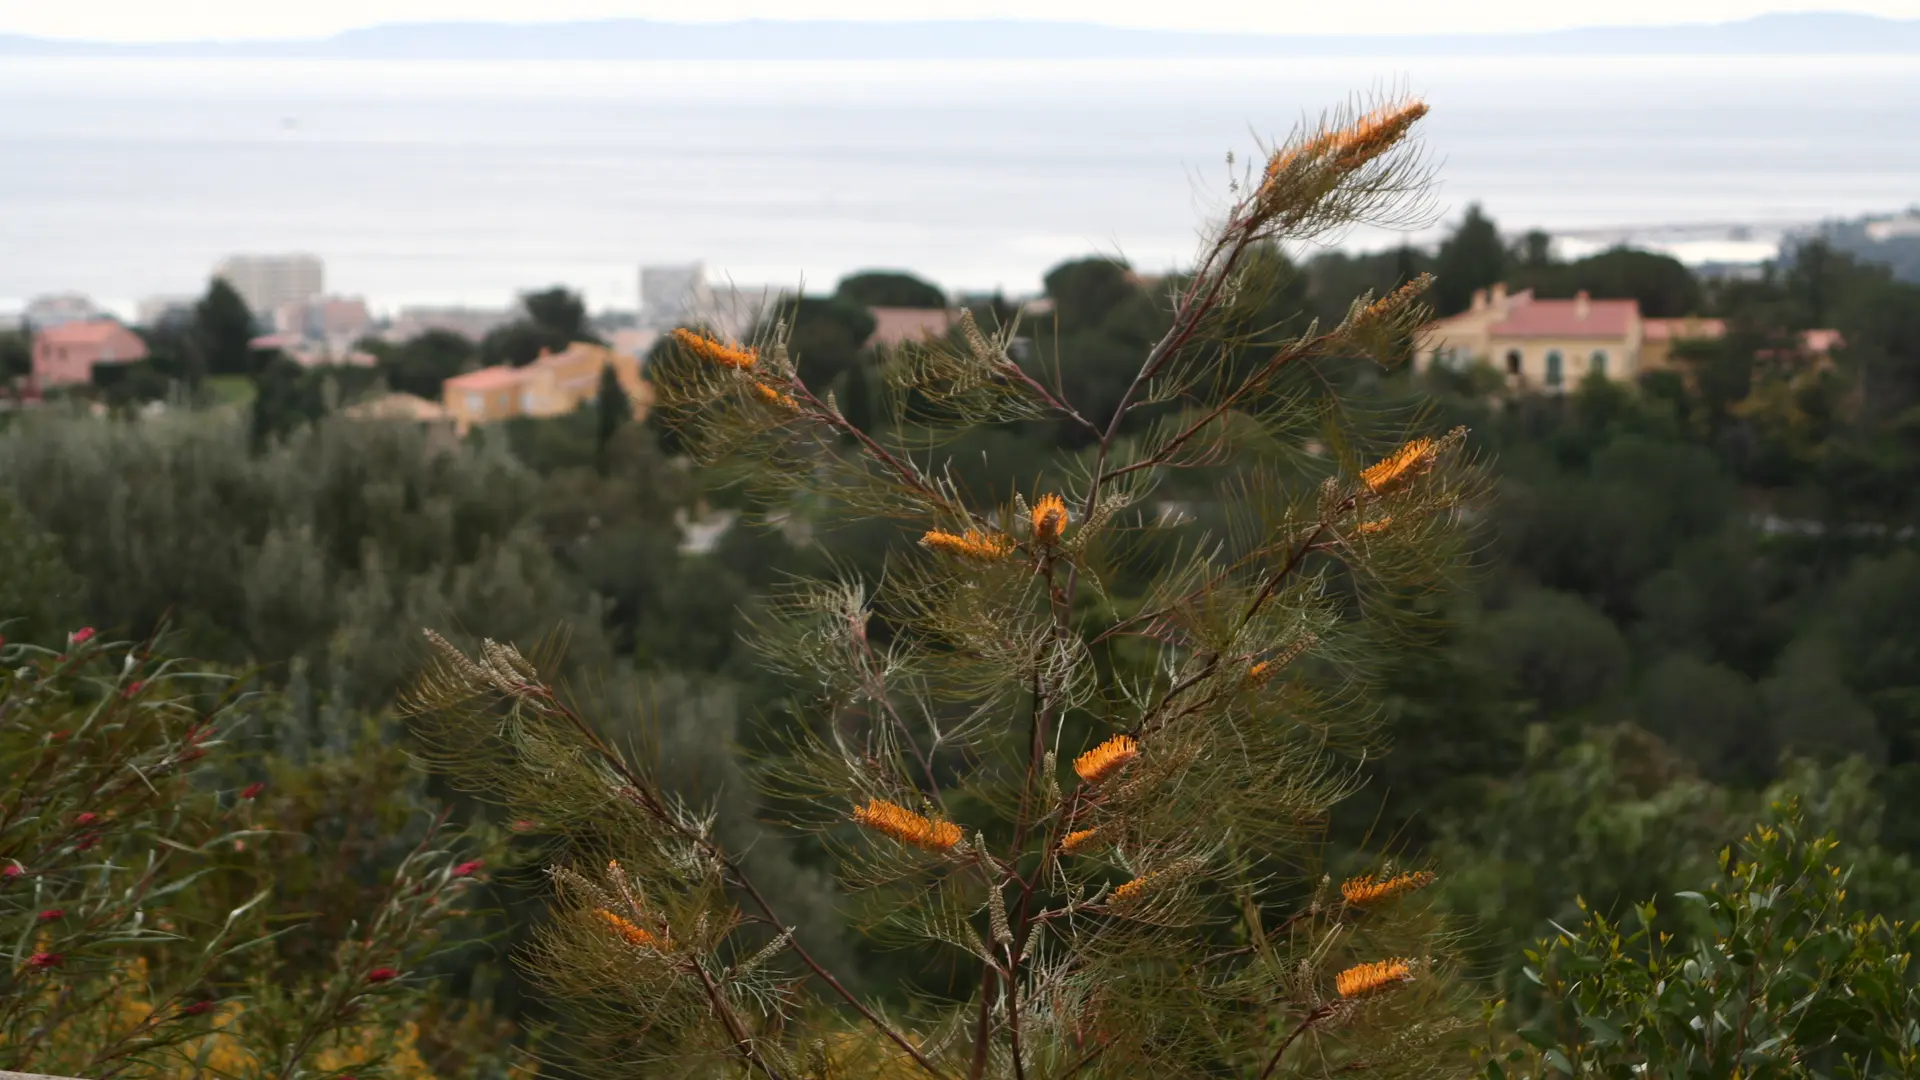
1804 34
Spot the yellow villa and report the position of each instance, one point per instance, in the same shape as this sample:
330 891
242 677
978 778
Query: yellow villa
553 385
1551 345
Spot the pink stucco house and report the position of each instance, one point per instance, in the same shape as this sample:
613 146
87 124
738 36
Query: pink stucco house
64 355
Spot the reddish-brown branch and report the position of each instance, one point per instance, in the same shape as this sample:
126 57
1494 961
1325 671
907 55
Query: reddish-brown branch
1313 1018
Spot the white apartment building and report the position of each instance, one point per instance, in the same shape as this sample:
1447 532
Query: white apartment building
331 319
469 322
670 294
266 282
681 295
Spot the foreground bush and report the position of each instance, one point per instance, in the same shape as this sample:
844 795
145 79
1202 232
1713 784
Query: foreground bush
148 931
1769 975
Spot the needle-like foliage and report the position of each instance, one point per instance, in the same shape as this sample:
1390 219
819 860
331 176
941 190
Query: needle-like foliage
1100 811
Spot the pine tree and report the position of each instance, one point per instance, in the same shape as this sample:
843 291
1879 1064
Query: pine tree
1094 808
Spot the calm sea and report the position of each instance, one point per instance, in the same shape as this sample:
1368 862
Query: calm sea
463 182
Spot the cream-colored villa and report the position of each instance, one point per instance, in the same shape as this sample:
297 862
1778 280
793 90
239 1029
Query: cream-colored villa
1551 345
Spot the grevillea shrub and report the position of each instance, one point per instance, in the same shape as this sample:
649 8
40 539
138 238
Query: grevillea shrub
1086 799
146 928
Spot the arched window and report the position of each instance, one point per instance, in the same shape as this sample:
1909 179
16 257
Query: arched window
1556 376
1513 361
1597 363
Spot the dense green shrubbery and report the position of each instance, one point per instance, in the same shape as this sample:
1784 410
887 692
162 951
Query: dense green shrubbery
177 903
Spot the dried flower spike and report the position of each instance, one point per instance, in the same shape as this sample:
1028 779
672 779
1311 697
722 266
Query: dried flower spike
1106 759
1078 839
1400 466
906 826
631 934
1363 979
713 351
1362 891
1049 518
974 544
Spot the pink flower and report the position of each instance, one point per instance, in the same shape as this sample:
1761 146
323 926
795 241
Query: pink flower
81 636
85 817
467 869
524 825
53 913
87 841
44 960
253 790
197 1008
133 688
12 871
382 974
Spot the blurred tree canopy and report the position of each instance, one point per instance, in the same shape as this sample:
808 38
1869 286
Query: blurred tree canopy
889 288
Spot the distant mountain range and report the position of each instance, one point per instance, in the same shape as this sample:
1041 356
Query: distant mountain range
641 39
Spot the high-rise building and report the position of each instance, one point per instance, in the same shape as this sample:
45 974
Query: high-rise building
671 296
267 281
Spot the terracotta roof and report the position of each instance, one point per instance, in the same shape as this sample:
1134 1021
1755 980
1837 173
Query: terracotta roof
897 326
1563 318
490 378
88 332
1684 329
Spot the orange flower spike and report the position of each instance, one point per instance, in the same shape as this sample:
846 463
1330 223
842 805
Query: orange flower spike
1134 890
1364 979
713 351
974 544
906 826
1373 133
1049 518
1362 891
1400 466
773 397
1395 300
633 935
1370 528
1106 759
1078 839
1283 159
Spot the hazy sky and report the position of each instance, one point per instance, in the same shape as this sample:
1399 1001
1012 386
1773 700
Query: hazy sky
156 20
